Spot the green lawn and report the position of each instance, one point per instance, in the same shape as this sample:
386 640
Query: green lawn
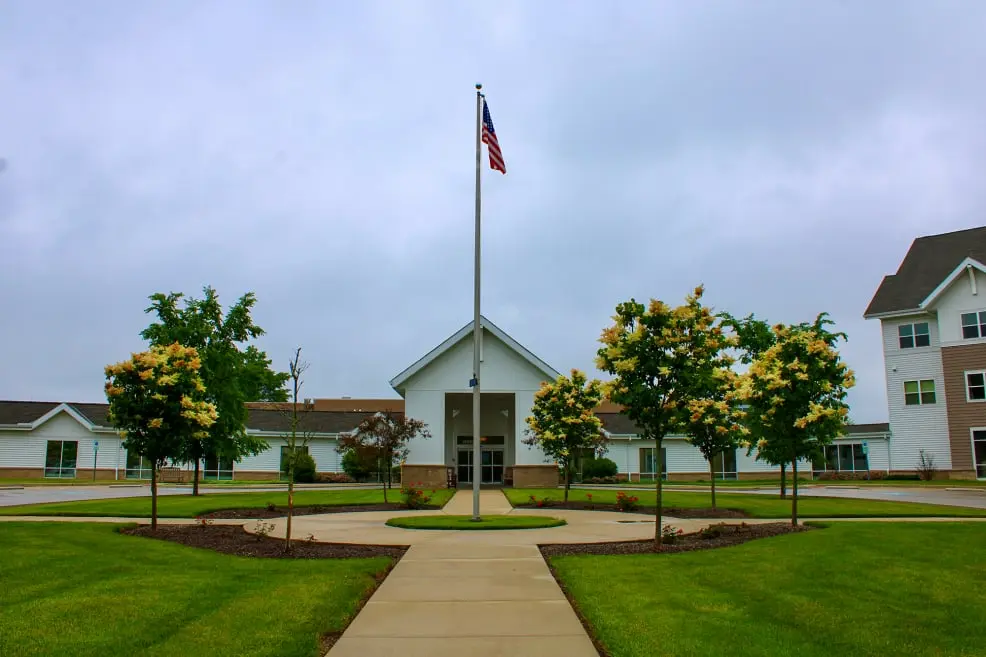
760 506
851 589
71 589
466 522
186 506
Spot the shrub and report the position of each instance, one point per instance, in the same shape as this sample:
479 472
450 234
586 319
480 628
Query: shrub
902 477
356 467
670 534
602 467
600 480
832 475
304 468
543 502
414 497
626 502
926 466
271 506
335 478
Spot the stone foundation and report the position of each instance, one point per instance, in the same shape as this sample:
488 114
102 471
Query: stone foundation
535 476
424 476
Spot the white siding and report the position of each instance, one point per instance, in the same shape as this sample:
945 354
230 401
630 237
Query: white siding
323 450
27 449
915 427
503 370
684 458
958 299
21 449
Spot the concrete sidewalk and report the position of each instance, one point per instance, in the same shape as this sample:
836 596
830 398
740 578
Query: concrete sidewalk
458 594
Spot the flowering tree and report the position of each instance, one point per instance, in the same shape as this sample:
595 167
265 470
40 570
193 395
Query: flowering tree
562 422
795 393
231 376
383 438
158 403
715 423
661 358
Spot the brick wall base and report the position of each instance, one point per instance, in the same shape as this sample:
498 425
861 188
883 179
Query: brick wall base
535 476
425 476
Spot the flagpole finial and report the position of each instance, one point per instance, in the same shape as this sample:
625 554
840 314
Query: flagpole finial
479 86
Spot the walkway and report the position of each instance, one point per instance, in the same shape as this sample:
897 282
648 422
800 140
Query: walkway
483 594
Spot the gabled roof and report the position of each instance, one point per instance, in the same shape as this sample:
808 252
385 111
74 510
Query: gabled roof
29 415
928 263
460 335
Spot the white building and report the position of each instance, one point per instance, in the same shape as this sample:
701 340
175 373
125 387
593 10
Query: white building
933 315
50 439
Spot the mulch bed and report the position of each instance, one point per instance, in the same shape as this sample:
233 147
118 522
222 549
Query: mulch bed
716 536
281 511
673 511
230 539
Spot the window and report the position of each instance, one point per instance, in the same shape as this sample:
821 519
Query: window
919 393
60 458
914 335
138 467
974 325
648 462
975 386
724 464
979 452
218 467
842 458
285 455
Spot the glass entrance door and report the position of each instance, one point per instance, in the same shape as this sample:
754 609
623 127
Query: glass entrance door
491 462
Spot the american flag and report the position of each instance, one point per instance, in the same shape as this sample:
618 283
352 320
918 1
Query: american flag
489 138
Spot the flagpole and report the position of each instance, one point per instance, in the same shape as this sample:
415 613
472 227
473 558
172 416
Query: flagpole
476 329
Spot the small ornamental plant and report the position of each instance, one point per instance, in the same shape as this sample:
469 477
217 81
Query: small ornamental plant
626 502
588 496
670 534
414 497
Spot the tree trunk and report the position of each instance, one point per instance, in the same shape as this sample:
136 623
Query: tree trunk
568 479
153 496
287 531
386 483
195 480
712 474
794 493
659 546
783 481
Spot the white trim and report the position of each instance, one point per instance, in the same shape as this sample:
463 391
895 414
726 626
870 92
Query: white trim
61 408
398 381
972 441
914 335
958 271
892 314
965 383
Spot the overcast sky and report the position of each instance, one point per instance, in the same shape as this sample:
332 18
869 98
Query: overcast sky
320 154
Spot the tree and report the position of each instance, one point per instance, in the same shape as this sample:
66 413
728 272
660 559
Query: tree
232 377
158 403
795 394
715 422
562 422
296 439
383 438
660 358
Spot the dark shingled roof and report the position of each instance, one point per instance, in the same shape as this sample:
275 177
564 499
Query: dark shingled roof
875 427
25 412
618 423
928 262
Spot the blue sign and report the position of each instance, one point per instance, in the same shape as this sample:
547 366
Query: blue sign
866 447
95 443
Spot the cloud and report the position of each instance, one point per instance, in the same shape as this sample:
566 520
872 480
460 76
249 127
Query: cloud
322 156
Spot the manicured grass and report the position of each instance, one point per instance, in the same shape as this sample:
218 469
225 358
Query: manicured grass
850 589
85 590
187 506
760 506
466 522
775 483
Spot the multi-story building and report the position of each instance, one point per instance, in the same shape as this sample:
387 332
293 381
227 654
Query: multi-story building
933 315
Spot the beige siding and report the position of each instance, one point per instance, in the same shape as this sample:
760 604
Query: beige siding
962 414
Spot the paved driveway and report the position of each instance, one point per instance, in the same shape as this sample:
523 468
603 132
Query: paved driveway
968 498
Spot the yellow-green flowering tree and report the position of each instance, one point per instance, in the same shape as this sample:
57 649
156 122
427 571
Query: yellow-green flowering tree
661 359
795 395
715 422
562 422
157 403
